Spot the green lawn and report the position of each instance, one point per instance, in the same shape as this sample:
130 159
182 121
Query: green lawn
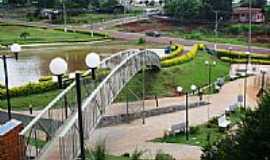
11 34
38 101
164 82
95 18
204 134
211 37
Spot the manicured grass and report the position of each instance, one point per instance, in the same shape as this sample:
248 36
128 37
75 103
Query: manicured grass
11 34
38 101
211 37
204 134
95 18
164 82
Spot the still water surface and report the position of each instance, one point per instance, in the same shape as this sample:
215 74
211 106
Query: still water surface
34 63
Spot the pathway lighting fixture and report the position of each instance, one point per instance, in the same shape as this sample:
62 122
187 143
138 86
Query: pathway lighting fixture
245 81
58 66
180 90
92 60
15 49
210 65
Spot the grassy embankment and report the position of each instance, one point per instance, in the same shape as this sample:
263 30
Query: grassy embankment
27 35
164 82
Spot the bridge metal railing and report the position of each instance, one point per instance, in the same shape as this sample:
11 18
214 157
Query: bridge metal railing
40 133
95 105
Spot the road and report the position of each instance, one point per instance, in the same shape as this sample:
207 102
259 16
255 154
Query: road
105 27
166 40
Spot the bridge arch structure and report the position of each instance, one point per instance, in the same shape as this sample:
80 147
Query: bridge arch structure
54 133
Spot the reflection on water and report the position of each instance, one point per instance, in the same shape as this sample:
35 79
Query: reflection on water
34 63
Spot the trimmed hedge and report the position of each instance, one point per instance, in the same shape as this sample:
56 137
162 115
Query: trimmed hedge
182 59
31 88
45 84
177 50
244 60
238 54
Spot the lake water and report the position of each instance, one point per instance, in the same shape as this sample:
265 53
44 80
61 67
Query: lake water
34 63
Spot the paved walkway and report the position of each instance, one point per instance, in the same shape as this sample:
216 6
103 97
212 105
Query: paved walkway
127 137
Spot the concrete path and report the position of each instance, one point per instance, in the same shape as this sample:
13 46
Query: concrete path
127 137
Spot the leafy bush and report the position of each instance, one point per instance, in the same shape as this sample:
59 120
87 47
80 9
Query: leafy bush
31 88
45 78
251 139
137 154
162 156
141 41
238 54
182 59
245 60
177 51
24 35
99 152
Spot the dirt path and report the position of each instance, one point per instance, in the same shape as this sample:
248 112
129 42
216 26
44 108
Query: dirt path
127 137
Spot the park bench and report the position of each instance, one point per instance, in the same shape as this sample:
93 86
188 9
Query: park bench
223 123
177 128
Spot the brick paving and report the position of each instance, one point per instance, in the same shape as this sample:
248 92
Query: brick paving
127 137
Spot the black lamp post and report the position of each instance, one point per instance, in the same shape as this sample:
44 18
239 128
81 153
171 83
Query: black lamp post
245 81
263 81
14 48
180 90
210 65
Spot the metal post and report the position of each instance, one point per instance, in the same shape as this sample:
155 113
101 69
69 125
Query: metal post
66 106
156 99
263 81
245 86
93 71
80 119
30 109
143 88
127 104
65 16
6 84
60 81
209 78
216 29
187 130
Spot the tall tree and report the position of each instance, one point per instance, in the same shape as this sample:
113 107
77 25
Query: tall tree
184 10
224 8
251 140
255 3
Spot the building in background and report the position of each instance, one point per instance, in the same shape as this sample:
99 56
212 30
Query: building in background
241 14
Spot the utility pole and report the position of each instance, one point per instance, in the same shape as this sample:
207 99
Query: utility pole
64 15
216 28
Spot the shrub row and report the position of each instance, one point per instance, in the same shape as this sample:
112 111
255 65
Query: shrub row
244 60
45 84
31 88
238 54
182 59
177 50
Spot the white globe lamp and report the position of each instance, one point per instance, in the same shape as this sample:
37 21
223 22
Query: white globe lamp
92 61
16 49
58 66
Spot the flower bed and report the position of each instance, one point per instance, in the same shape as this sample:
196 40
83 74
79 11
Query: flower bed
182 59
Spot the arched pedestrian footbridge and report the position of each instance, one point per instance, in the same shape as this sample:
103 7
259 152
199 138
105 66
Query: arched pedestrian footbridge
54 133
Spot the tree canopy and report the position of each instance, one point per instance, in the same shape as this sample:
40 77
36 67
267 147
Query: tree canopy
251 140
201 9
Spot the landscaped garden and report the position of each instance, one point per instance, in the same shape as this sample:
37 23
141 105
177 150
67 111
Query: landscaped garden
183 73
25 35
204 134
